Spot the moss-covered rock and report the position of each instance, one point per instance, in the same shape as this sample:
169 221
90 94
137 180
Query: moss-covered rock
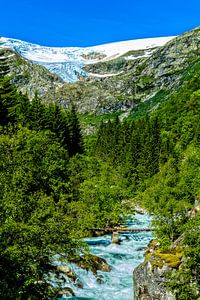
172 258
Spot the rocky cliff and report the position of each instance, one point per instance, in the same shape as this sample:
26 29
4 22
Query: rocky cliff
149 283
149 277
30 78
141 79
158 272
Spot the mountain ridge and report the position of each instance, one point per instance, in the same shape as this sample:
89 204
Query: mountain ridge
143 80
68 62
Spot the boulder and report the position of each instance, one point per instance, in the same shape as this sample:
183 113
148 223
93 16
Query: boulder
100 279
67 292
67 271
70 274
92 263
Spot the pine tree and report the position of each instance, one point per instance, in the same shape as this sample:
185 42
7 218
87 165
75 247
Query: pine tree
57 122
37 120
76 139
8 93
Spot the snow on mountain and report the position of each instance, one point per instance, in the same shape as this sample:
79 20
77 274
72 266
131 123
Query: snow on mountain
68 62
119 48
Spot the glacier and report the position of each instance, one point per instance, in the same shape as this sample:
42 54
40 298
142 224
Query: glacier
68 62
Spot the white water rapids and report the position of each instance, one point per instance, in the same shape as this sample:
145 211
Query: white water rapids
123 258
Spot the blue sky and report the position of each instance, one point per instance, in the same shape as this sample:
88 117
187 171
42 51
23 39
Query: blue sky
85 23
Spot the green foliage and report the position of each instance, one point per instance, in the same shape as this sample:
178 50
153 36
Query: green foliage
46 185
34 204
185 282
148 106
160 158
102 193
52 193
171 257
96 119
7 100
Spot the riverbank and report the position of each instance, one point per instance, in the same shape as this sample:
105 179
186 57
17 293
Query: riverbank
118 283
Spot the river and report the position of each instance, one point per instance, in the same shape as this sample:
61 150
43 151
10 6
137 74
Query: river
123 258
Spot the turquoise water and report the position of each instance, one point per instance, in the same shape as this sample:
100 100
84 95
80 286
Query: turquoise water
123 258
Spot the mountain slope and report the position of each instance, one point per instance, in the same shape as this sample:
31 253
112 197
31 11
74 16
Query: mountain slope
67 62
28 77
138 79
143 80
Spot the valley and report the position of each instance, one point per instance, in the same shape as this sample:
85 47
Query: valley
87 135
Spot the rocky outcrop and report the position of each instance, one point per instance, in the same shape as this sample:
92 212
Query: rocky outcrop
30 78
63 271
149 277
149 283
163 70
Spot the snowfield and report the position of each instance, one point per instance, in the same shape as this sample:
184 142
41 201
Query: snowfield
68 62
119 48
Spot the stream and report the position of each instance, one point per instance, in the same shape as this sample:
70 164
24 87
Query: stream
123 258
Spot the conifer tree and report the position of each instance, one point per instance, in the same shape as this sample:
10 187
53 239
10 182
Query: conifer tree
76 139
57 122
37 114
8 93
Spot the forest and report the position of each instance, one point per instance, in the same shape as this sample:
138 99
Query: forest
57 184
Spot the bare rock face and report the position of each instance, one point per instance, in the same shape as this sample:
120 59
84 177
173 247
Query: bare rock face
149 283
149 277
